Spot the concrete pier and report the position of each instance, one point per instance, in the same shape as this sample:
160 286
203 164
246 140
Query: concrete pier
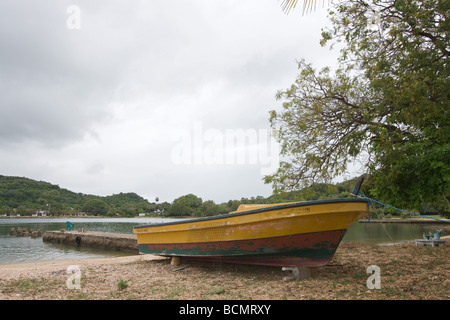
93 239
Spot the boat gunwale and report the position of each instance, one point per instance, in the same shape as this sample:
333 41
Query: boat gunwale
260 210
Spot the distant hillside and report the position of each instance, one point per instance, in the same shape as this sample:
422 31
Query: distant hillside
26 196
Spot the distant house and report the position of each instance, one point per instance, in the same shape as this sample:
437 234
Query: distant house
40 213
142 214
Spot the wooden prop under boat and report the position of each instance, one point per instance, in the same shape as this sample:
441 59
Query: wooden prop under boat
304 234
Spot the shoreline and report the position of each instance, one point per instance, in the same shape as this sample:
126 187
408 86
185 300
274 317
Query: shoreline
388 220
79 217
29 269
24 265
407 273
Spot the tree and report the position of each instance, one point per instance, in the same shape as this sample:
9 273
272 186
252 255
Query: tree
185 205
209 208
386 104
95 207
179 208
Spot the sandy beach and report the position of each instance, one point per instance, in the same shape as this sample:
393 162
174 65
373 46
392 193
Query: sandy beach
407 272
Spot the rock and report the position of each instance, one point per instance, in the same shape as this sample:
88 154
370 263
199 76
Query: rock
298 273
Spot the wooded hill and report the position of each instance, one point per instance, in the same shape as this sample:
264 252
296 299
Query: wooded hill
25 197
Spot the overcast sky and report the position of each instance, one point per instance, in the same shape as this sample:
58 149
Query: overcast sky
152 97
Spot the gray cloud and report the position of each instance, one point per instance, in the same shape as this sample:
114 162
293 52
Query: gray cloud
55 84
94 109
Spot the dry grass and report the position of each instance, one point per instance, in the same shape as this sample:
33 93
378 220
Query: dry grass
407 272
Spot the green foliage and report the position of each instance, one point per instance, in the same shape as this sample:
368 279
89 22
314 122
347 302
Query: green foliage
317 191
387 105
208 208
26 196
130 204
185 205
122 284
95 207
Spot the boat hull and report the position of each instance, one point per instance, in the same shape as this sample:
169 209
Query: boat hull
310 249
295 234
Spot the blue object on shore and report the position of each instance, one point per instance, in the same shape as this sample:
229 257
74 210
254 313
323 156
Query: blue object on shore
437 235
70 225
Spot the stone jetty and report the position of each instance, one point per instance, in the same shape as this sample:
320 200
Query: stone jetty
94 239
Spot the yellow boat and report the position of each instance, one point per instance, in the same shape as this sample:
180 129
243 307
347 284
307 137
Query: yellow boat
288 234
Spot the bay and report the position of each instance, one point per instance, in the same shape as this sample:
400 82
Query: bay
26 249
388 233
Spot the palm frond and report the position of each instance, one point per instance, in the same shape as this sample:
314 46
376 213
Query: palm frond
308 5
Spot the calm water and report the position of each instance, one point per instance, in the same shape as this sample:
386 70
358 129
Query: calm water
387 233
26 249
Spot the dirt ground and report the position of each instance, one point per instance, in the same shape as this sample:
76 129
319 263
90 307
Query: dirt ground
406 272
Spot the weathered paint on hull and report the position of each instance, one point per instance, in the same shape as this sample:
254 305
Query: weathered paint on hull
294 234
311 249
